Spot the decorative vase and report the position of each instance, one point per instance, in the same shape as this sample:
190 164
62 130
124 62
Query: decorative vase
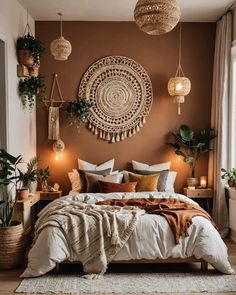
25 58
44 186
12 245
192 181
33 186
22 193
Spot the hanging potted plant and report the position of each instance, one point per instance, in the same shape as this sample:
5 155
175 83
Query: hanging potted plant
12 239
31 88
78 111
190 147
29 50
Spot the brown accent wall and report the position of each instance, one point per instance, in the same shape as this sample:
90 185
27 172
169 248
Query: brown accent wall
159 56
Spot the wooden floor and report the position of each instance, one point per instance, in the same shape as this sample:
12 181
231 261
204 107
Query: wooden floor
9 280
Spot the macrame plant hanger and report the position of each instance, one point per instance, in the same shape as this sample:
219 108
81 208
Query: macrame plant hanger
53 107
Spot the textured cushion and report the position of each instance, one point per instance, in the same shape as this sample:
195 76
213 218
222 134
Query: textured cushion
86 166
92 181
83 179
156 167
161 185
78 180
145 183
109 187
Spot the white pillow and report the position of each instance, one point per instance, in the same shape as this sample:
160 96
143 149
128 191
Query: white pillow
83 165
170 182
156 167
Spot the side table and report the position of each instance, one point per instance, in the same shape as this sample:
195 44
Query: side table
201 193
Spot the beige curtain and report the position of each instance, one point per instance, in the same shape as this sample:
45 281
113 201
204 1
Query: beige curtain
220 119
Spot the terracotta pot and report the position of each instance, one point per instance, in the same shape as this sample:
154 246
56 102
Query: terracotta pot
34 71
12 245
231 183
25 57
22 194
192 181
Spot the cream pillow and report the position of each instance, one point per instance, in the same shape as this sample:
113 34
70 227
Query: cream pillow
170 181
83 165
156 167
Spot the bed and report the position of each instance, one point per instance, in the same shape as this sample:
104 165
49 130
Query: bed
151 240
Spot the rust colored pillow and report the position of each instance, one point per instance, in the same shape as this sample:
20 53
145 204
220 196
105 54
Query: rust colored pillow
145 183
110 187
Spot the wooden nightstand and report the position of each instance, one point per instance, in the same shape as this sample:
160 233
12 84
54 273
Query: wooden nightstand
49 196
206 194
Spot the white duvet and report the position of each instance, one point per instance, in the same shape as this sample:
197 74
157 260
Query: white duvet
151 239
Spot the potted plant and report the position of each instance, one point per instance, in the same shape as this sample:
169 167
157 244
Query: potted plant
29 88
190 147
230 175
12 238
78 111
43 175
29 50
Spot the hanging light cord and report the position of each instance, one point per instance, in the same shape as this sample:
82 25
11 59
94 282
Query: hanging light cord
180 71
60 14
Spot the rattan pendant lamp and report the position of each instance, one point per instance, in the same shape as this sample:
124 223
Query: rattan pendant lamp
60 48
156 17
179 86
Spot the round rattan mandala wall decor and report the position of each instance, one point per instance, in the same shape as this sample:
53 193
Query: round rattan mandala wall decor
121 92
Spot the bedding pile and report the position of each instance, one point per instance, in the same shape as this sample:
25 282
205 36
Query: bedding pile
178 213
67 225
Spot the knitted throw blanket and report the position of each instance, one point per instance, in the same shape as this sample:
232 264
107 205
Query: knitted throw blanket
178 213
94 233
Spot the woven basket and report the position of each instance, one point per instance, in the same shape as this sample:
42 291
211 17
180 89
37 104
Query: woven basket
12 245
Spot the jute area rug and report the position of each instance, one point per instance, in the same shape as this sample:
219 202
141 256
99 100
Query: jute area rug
132 283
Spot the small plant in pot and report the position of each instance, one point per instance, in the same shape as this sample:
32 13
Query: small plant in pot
230 175
12 239
78 111
29 50
31 88
43 175
190 146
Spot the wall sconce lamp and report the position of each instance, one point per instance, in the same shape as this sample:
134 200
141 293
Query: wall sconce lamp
58 148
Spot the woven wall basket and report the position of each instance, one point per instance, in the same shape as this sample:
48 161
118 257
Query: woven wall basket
121 92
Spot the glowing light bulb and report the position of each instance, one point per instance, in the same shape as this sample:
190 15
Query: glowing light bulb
178 86
179 157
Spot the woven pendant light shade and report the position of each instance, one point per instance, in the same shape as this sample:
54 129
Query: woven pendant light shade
60 48
156 17
179 86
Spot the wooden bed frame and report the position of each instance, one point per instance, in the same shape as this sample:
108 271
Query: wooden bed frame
204 264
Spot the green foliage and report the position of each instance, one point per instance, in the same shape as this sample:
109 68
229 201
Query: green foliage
31 87
44 173
34 45
78 111
8 176
230 175
31 173
190 146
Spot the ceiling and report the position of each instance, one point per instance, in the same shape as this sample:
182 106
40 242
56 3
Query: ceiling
119 10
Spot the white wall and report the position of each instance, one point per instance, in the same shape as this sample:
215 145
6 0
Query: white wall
21 124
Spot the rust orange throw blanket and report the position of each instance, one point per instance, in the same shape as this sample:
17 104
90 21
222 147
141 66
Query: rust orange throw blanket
178 213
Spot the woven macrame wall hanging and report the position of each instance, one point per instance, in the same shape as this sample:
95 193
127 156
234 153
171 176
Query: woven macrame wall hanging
121 92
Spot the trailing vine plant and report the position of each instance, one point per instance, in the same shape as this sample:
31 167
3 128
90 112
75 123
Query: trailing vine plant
31 88
78 111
